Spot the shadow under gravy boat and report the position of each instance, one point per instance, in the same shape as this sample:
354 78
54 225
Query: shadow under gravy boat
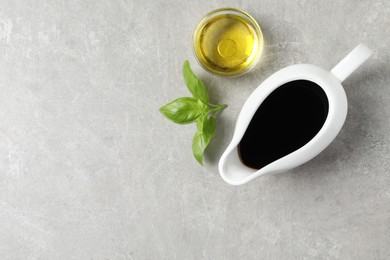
231 166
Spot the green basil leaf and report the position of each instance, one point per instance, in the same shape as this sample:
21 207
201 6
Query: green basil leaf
209 126
198 146
206 129
194 84
183 110
204 107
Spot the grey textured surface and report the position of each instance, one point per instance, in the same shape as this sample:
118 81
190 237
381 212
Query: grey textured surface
90 170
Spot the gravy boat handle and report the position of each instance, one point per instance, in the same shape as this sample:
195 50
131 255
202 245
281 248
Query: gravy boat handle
351 62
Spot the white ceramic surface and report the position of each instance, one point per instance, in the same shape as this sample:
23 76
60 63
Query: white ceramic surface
231 168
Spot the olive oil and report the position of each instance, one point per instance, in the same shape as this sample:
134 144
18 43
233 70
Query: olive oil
228 42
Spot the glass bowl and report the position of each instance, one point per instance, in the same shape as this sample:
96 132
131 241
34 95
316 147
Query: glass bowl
227 42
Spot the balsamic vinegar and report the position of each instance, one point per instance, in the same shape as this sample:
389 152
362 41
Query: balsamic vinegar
286 120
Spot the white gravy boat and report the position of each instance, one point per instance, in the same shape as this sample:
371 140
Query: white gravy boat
234 172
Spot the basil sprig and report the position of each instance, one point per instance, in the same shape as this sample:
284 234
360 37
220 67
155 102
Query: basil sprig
187 110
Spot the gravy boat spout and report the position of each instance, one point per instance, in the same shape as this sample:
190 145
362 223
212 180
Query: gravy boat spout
231 167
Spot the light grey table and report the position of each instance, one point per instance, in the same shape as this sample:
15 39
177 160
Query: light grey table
90 170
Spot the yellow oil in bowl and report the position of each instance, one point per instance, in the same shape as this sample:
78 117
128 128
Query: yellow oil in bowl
228 42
